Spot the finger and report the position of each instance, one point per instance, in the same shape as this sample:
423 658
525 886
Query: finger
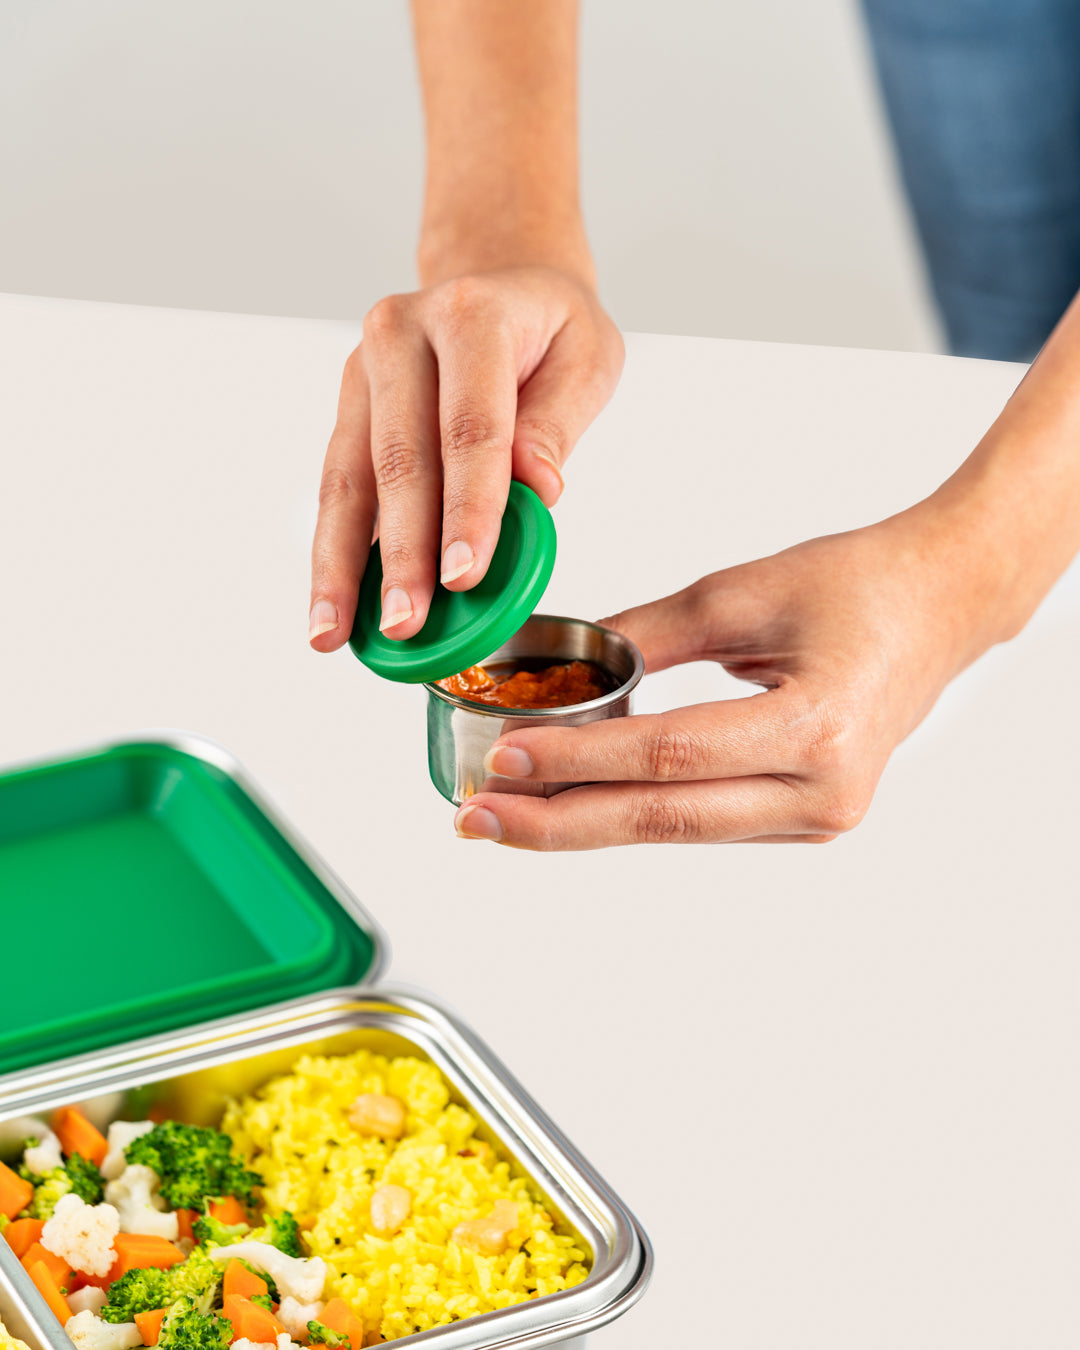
405 456
813 838
604 814
573 382
477 398
668 631
347 511
729 739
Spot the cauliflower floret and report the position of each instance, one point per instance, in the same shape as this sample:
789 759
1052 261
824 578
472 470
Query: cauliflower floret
298 1277
82 1234
134 1193
89 1297
284 1342
45 1155
121 1134
295 1316
18 1130
91 1333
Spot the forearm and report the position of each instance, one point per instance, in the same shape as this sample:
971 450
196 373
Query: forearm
1006 525
499 80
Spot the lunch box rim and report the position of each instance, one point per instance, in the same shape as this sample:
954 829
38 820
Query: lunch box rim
628 1259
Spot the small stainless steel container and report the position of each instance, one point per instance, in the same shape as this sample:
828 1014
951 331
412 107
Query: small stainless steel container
461 732
191 1071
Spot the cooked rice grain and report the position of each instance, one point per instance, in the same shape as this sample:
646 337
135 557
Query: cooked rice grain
10 1342
295 1131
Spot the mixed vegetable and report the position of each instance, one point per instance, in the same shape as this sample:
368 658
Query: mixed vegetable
151 1235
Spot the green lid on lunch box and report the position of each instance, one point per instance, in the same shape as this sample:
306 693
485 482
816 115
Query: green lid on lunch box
464 627
146 888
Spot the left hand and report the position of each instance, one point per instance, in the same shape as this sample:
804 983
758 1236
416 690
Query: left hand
854 636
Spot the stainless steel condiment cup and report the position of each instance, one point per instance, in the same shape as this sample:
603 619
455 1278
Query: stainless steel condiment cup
460 732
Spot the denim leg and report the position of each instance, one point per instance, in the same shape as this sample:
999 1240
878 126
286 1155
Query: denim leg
984 100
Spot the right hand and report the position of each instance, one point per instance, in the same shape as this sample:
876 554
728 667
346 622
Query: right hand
454 390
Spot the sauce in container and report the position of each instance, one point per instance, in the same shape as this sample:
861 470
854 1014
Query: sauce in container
530 684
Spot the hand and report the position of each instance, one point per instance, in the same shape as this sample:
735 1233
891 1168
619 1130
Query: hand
454 390
853 636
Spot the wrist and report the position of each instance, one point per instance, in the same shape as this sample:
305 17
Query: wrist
454 244
984 563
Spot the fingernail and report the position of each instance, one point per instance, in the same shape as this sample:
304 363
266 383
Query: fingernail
477 822
323 617
507 761
553 473
396 607
456 561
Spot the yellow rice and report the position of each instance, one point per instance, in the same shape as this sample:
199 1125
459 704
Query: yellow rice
295 1131
8 1341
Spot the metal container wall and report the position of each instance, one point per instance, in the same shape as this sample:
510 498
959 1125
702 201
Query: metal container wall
461 731
192 1070
23 1311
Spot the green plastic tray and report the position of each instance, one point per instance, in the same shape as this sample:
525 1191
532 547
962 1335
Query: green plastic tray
143 888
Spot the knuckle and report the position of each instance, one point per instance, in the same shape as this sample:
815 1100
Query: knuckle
465 431
335 488
839 812
458 299
660 820
385 319
397 464
824 738
672 753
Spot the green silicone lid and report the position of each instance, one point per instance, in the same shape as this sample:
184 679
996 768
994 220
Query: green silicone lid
464 627
144 888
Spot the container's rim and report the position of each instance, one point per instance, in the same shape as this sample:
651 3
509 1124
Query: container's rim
550 714
209 751
614 1283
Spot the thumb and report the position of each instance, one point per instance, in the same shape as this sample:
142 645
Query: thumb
556 404
730 616
667 632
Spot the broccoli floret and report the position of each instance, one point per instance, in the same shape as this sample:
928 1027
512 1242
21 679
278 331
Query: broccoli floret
47 1190
324 1336
86 1179
197 1279
139 1291
264 1301
185 1328
206 1229
193 1163
78 1175
281 1232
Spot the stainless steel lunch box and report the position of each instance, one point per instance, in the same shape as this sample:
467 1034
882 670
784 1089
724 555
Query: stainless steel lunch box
460 732
192 1070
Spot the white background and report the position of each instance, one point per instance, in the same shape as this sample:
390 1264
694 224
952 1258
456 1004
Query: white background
866 1051
265 156
837 1085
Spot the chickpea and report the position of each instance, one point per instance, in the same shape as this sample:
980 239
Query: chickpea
374 1113
390 1207
489 1236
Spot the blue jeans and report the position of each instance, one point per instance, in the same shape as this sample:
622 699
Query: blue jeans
984 100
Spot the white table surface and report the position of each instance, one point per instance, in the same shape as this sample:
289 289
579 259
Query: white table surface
838 1085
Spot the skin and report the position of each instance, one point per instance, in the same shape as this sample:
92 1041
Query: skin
853 637
495 367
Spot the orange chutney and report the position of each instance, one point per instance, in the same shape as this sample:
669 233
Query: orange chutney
509 685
